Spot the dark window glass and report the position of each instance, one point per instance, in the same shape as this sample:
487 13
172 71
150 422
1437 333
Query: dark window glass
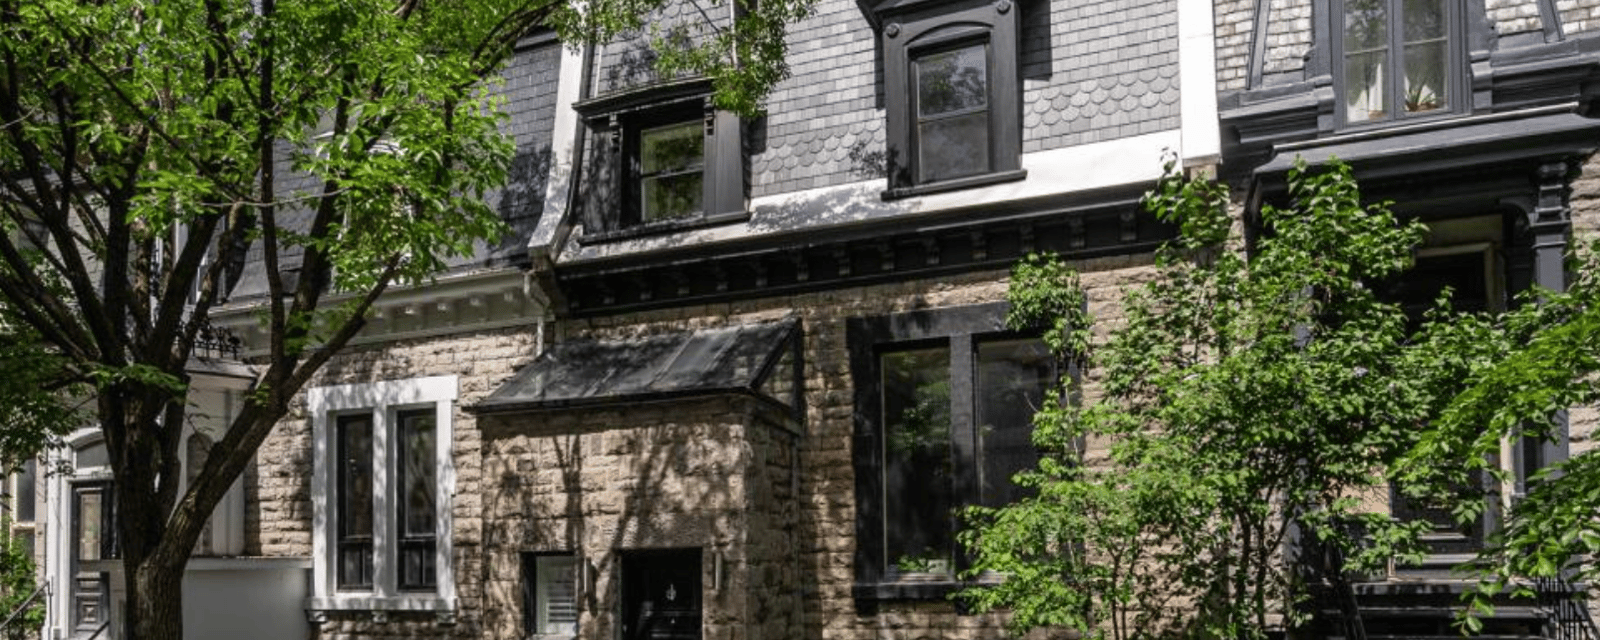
1396 58
25 498
91 520
671 171
417 486
354 455
1013 376
952 92
917 468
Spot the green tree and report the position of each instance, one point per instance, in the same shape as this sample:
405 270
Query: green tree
1521 370
145 147
1244 398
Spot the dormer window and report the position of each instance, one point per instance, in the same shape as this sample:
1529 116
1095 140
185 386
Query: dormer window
664 158
952 131
1396 59
952 92
671 166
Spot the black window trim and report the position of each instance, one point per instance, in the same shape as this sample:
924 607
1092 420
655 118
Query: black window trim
907 33
618 117
1458 83
961 329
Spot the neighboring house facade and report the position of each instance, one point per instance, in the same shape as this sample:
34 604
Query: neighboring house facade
1474 116
728 376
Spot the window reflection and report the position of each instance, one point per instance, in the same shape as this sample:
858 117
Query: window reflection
417 490
671 168
918 474
354 442
1013 377
952 93
1381 36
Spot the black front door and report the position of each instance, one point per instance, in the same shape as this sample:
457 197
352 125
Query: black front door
661 595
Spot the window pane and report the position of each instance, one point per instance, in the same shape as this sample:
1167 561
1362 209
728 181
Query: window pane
953 147
91 517
954 80
1425 76
417 489
25 491
671 196
556 595
1366 25
1425 19
671 148
917 472
417 477
354 457
1363 86
1013 376
671 164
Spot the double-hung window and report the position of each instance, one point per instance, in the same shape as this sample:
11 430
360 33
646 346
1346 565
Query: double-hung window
382 464
952 94
664 158
945 402
1396 59
671 164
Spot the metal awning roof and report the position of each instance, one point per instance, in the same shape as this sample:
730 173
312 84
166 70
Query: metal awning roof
588 372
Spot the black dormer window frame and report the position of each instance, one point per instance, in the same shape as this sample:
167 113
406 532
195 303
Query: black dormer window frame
1397 106
912 32
618 123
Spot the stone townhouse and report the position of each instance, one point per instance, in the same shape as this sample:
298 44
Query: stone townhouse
650 420
729 376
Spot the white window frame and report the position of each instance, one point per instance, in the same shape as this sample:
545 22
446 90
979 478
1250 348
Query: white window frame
384 400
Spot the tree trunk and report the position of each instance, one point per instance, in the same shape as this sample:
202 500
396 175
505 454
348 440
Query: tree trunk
155 603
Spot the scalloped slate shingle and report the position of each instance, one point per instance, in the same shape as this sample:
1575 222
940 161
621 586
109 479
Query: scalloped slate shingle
1091 72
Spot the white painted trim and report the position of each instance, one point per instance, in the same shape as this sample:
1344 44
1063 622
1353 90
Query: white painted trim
1081 168
383 399
1197 84
563 138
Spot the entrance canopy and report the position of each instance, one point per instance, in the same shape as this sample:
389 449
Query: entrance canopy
755 359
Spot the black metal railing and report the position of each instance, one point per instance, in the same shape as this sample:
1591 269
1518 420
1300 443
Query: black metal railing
27 603
1324 566
214 341
1567 611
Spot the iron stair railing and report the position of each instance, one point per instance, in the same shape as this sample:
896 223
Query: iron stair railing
26 604
1568 613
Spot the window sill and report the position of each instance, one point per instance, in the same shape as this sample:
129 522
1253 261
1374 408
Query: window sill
939 589
663 227
361 602
955 184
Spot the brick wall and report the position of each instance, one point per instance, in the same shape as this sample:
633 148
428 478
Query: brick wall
1235 22
1578 16
1513 16
1288 36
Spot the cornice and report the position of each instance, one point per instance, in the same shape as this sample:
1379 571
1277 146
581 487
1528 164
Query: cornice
450 304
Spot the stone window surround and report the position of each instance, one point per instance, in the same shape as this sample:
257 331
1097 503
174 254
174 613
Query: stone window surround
961 328
620 117
384 399
908 30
